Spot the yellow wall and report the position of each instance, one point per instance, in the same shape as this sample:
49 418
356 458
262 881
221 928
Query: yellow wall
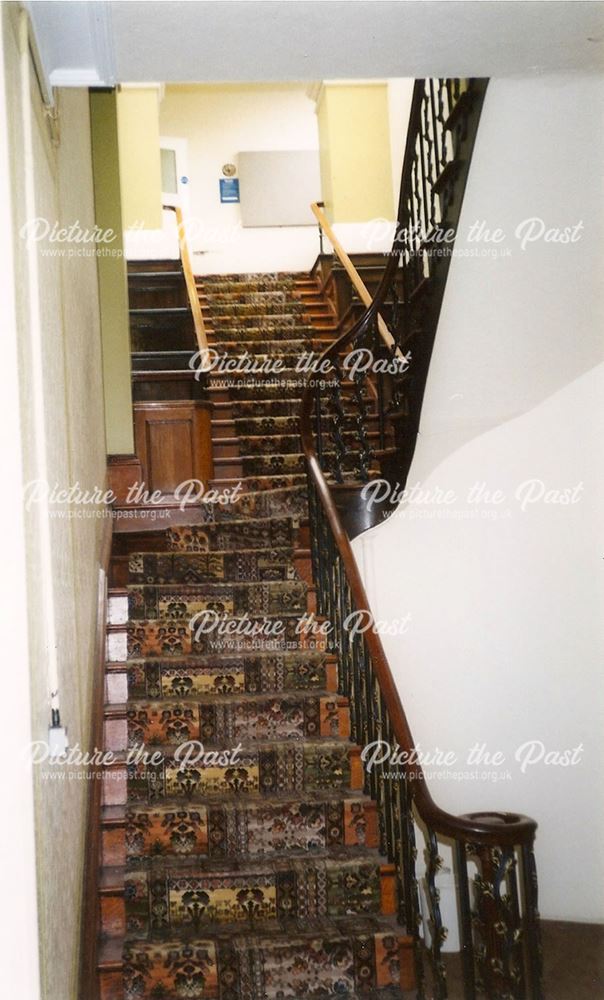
140 165
113 287
356 164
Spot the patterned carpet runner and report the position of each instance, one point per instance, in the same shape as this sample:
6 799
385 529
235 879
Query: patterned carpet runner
251 875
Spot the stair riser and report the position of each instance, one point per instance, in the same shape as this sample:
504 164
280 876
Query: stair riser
159 264
177 600
113 846
258 281
156 680
285 966
290 445
275 532
150 388
245 409
113 915
303 565
167 638
264 391
262 427
162 360
166 338
257 565
111 985
165 295
166 724
275 891
311 302
115 734
349 825
226 312
294 482
316 340
339 771
116 688
180 599
222 450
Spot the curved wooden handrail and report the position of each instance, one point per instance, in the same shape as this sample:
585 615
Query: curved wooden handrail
497 828
200 332
494 828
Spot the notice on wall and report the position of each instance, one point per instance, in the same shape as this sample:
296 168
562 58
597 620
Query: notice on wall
229 190
279 186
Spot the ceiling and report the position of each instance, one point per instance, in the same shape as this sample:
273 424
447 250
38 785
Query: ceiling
93 43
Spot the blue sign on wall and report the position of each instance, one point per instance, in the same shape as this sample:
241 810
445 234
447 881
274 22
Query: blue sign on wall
229 189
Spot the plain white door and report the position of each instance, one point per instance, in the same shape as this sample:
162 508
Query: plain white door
160 244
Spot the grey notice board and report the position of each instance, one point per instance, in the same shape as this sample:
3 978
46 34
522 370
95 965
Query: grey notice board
277 187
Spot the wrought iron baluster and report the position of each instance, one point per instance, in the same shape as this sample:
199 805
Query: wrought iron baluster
442 115
368 721
438 933
416 224
532 929
412 909
465 921
381 408
338 419
436 131
515 943
314 552
365 453
344 654
423 170
500 974
319 423
389 779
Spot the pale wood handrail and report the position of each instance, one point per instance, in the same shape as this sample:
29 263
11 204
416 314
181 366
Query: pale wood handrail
200 331
352 272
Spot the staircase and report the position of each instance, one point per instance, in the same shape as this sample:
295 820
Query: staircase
257 877
271 866
255 421
162 333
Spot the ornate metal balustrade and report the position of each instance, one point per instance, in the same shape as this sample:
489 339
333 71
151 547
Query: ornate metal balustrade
357 424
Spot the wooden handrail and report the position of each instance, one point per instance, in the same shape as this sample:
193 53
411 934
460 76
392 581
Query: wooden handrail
495 828
351 271
200 332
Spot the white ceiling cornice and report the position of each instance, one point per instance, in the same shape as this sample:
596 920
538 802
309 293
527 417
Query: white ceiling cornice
74 41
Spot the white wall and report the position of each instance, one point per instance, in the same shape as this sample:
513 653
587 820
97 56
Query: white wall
219 122
18 942
504 643
400 95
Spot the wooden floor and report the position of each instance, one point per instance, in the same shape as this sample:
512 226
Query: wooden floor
574 960
573 957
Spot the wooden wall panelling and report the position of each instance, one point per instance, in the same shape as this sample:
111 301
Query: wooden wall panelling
173 442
